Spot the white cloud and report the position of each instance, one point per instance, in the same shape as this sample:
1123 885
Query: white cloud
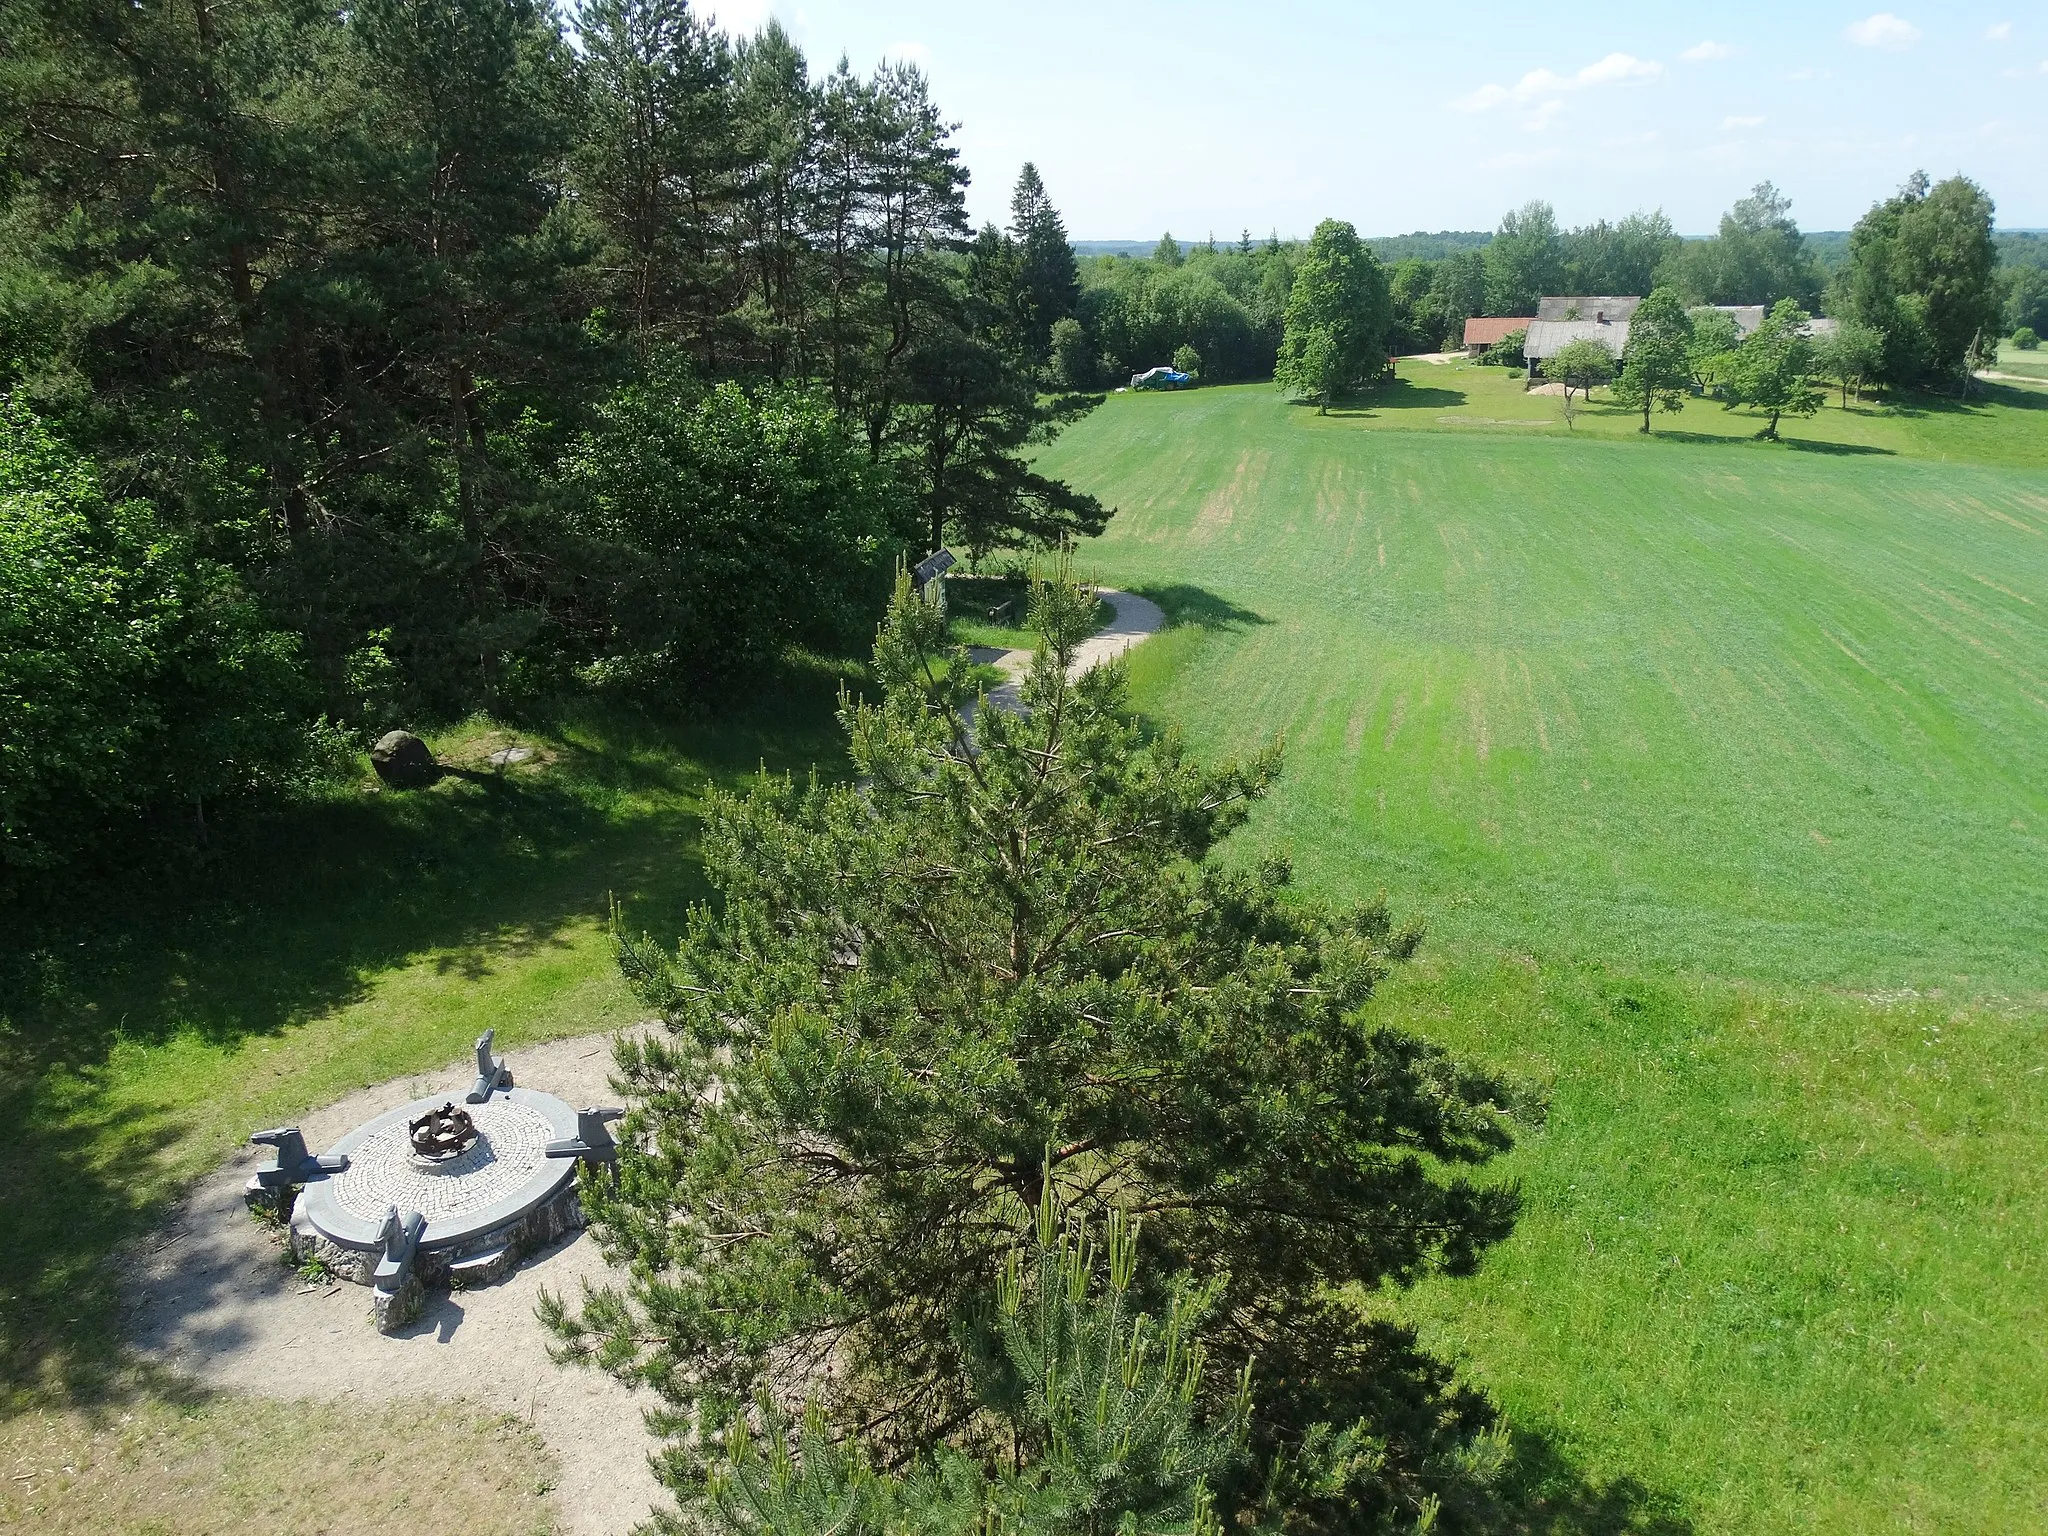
1708 51
1741 122
909 53
742 18
1884 30
1998 32
1539 84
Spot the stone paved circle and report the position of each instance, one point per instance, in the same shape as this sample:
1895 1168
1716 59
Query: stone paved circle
383 1171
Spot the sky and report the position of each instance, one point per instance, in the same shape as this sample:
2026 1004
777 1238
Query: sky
1204 117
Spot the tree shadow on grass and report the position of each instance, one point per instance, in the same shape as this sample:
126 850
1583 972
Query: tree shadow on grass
1543 1494
289 917
1199 608
1751 440
1400 395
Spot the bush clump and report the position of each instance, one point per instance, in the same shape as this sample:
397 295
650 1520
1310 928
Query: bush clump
136 676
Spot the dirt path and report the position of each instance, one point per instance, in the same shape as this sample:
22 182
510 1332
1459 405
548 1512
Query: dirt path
1132 619
212 1298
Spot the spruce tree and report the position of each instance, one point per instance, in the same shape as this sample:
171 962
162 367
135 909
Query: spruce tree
1052 280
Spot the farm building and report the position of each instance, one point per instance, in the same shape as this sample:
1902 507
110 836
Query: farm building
1600 308
1605 318
1483 331
1591 317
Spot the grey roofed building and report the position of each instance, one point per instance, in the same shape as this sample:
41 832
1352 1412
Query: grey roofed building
1547 338
1595 307
1749 316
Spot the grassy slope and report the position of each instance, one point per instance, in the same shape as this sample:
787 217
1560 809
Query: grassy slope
1710 764
346 944
2032 365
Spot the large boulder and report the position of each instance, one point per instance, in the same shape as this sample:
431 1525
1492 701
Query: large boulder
403 761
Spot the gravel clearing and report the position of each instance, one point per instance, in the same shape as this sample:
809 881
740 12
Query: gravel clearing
212 1298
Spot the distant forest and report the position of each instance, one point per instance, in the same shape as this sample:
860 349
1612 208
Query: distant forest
1221 302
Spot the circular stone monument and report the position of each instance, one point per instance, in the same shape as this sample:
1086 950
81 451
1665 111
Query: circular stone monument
501 1197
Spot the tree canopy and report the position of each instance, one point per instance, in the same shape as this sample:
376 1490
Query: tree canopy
1339 313
1759 257
1656 365
1921 270
337 289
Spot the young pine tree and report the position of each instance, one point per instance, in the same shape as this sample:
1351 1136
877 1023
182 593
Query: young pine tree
1091 1418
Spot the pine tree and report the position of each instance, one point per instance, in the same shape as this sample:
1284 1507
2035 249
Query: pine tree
1008 958
1089 1414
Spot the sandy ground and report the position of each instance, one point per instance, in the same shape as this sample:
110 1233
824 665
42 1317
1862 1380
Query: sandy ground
1133 619
212 1297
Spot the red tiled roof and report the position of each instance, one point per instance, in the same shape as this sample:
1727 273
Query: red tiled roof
1485 330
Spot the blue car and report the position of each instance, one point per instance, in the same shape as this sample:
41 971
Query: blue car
1160 378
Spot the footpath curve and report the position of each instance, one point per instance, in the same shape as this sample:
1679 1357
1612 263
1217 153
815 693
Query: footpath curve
1132 619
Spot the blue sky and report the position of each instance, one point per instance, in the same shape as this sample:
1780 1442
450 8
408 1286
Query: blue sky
1145 116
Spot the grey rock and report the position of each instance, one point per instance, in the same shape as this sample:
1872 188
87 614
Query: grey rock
403 761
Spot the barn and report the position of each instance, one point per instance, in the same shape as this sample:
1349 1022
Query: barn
1483 331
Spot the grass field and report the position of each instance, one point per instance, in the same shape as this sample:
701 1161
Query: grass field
1719 771
2031 365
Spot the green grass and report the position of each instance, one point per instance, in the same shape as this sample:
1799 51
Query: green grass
144 1036
2033 365
994 611
1719 771
1465 398
1728 706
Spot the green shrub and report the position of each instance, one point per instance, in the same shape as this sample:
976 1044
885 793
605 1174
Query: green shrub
1187 360
725 525
2025 339
1073 364
135 675
1507 352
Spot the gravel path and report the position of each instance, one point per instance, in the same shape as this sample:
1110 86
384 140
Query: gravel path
212 1298
1133 618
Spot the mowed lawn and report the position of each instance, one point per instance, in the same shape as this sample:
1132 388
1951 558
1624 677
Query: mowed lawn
1763 712
1719 772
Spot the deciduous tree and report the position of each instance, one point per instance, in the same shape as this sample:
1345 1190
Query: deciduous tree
1850 354
1656 365
1338 317
1524 260
1579 365
1770 371
1921 269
